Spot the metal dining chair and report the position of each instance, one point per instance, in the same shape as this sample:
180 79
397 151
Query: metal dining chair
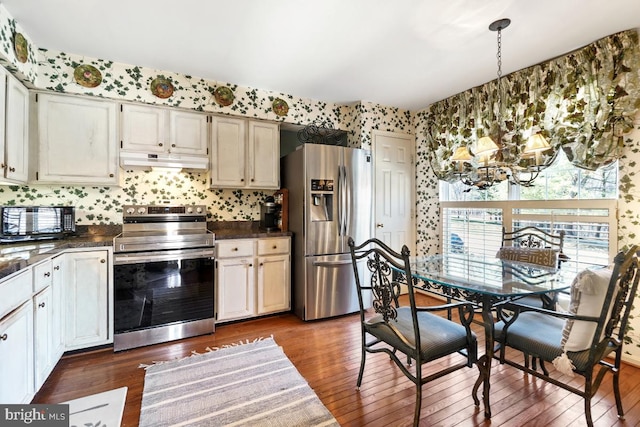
391 327
579 341
532 245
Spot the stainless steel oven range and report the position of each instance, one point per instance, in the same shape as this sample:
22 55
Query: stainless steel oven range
163 275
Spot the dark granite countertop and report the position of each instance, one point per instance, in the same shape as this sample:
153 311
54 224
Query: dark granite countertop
16 256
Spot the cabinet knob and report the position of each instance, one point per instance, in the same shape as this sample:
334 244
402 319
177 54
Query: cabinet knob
173 145
241 179
261 264
57 267
47 274
3 337
275 247
111 175
102 261
380 225
159 144
41 304
234 250
12 169
252 179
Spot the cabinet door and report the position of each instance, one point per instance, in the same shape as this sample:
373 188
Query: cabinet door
86 292
57 307
16 354
143 129
264 155
274 284
42 333
77 140
3 100
188 133
16 131
228 152
235 284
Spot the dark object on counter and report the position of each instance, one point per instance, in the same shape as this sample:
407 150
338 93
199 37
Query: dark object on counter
269 215
20 223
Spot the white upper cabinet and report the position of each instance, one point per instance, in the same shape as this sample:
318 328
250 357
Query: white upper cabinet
76 140
228 142
264 155
157 130
245 154
14 127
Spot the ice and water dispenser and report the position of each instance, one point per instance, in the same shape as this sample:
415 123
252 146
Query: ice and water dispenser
321 200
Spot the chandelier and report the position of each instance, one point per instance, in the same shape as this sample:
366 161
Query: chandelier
489 162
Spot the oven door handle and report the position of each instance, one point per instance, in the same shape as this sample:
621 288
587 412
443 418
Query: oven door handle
157 256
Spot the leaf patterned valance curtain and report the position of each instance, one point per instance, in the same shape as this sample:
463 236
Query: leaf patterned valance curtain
582 103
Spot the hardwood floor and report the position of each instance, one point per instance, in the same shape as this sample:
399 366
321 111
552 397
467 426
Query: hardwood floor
327 354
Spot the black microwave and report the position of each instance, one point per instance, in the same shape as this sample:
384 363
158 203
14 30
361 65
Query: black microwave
36 222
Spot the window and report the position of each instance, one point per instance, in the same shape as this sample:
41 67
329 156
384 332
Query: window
582 203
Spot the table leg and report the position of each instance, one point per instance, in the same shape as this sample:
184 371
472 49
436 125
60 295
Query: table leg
484 361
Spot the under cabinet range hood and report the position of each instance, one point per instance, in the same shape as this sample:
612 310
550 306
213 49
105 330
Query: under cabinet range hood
148 160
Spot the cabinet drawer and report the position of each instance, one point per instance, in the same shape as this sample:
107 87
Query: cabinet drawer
234 248
41 275
273 246
15 291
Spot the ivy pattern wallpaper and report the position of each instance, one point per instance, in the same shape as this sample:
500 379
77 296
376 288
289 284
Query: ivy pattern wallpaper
52 70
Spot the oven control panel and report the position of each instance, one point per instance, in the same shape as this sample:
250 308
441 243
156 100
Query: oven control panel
161 211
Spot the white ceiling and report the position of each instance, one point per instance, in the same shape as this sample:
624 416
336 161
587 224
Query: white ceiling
401 53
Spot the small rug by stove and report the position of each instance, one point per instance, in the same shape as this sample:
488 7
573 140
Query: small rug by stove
98 410
252 383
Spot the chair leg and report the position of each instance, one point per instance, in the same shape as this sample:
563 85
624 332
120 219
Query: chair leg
543 367
362 359
416 416
616 392
587 411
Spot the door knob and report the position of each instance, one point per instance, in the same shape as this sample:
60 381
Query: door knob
380 225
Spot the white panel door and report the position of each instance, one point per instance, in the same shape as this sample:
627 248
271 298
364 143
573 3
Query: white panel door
394 188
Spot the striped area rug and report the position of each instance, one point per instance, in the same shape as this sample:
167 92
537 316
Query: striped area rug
250 384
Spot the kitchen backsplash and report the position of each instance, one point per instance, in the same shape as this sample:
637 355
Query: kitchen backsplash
102 205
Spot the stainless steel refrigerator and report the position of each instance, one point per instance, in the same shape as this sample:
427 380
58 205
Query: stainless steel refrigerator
330 200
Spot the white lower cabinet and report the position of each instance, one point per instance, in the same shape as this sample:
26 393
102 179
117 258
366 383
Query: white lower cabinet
16 355
43 336
236 298
253 277
62 303
89 299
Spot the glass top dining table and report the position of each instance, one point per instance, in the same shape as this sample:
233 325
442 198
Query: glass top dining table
474 276
486 281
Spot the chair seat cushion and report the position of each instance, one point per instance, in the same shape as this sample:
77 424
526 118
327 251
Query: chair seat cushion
438 336
540 335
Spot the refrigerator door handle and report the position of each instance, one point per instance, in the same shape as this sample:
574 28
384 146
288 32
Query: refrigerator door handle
330 263
347 203
340 201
